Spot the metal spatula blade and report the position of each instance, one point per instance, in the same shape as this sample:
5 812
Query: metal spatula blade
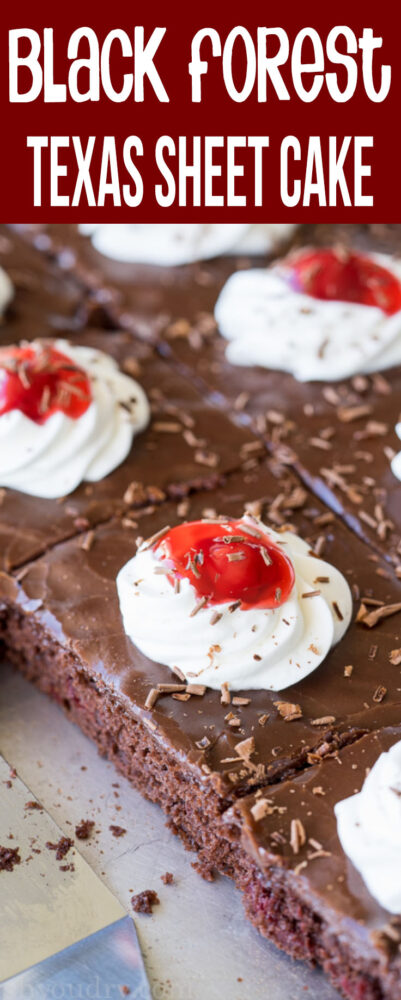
62 932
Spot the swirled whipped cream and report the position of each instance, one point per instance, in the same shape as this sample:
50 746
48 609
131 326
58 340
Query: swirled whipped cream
396 462
51 457
369 829
269 321
245 647
6 291
169 244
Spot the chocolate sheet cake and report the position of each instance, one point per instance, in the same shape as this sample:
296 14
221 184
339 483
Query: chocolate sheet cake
248 777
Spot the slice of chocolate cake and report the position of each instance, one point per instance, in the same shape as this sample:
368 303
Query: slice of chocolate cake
194 749
301 890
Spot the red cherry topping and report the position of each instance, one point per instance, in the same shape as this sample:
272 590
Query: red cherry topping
331 273
38 380
228 561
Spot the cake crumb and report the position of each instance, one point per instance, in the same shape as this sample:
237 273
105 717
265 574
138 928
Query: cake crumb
167 878
61 848
117 831
9 857
83 830
144 901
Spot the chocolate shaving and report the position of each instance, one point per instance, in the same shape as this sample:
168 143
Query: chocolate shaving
151 698
147 544
87 541
207 458
196 689
170 688
380 693
246 748
288 711
261 809
374 617
299 868
216 616
297 835
346 414
203 744
233 607
178 673
225 697
198 606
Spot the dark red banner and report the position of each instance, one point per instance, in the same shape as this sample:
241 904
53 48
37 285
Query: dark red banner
185 113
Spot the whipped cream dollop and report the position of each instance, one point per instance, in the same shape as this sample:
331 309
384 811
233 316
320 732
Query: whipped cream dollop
50 459
256 648
396 462
369 829
269 323
169 244
6 291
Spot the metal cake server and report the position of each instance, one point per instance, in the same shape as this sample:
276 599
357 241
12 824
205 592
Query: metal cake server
62 933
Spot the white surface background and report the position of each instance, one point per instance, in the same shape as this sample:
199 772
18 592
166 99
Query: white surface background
197 944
